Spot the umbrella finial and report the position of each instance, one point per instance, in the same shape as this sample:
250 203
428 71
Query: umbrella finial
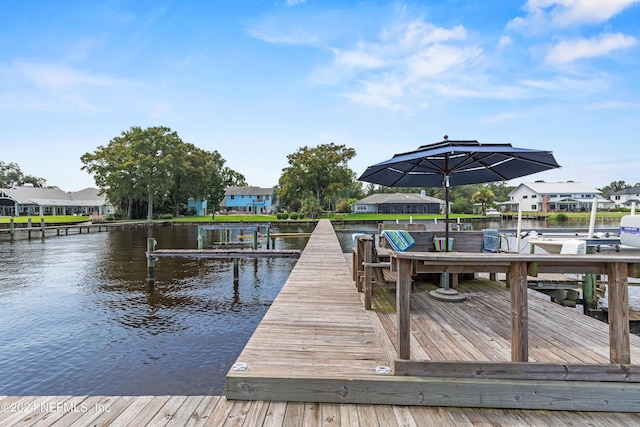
446 137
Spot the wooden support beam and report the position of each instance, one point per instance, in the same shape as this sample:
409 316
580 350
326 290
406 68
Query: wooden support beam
618 292
518 371
403 307
368 252
517 276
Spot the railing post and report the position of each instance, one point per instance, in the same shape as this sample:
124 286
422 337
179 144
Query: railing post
517 276
589 294
403 307
368 252
619 346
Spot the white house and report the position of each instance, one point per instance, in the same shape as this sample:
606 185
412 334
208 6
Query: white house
624 198
29 200
398 203
554 197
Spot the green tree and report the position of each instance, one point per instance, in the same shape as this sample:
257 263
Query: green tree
116 172
220 177
154 167
318 171
310 207
614 186
500 189
11 174
483 196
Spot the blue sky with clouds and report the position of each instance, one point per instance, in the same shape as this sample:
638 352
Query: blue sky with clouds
256 80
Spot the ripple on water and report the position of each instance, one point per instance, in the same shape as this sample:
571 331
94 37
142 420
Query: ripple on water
76 316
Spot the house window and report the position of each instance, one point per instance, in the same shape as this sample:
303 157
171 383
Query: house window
617 197
525 197
534 207
534 196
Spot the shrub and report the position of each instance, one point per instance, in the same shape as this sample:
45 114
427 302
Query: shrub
166 216
560 217
282 215
293 215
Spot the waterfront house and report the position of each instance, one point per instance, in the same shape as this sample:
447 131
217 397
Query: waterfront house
253 200
554 197
29 200
624 198
197 206
399 203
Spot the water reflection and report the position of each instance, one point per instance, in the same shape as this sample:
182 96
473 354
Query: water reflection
76 316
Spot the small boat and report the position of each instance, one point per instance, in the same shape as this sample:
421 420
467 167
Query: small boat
560 246
492 212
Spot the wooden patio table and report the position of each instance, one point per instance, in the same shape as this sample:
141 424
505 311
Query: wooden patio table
618 267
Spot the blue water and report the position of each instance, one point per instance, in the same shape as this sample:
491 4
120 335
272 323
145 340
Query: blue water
76 316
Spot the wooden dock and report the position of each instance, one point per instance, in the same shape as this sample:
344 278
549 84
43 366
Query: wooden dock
41 230
316 343
223 253
319 358
217 411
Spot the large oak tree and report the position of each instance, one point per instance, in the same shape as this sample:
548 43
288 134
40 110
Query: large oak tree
154 166
318 172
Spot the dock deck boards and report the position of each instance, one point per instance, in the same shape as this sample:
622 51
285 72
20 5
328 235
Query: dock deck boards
217 411
316 351
317 343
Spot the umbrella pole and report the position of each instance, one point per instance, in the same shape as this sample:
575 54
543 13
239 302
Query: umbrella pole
445 293
445 277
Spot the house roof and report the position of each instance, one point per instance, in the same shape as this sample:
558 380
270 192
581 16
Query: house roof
382 198
632 190
248 191
55 196
558 188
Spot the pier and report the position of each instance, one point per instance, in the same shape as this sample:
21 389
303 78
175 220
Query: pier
42 230
319 358
317 343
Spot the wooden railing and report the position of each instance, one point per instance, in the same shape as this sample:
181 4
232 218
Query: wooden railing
517 267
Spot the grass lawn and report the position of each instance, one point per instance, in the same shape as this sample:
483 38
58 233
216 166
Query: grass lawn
48 219
570 216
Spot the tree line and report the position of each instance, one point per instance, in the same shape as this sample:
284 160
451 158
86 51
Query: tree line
149 171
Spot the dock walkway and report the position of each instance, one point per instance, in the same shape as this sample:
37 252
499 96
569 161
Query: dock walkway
318 358
317 344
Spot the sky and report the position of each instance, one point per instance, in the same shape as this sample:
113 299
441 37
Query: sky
256 80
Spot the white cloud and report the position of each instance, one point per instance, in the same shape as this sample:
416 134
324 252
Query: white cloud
295 2
401 66
504 42
571 50
356 59
542 14
48 86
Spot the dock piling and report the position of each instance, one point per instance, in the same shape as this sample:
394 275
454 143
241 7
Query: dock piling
589 289
151 262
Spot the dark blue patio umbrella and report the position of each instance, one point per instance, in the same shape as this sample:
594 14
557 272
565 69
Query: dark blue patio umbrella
448 163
